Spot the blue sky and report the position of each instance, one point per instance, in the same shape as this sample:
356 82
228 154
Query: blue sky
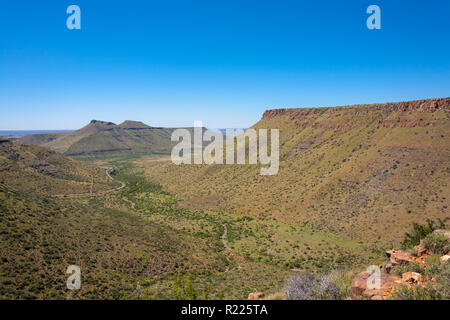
168 63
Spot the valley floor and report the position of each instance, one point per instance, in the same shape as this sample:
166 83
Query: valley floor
252 253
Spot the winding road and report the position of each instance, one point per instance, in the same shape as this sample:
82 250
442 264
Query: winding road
224 238
132 204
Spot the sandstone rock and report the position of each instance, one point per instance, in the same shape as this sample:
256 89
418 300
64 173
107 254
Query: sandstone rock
388 283
397 257
255 296
412 277
445 258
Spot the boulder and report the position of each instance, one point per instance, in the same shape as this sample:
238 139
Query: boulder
255 296
397 257
388 283
412 277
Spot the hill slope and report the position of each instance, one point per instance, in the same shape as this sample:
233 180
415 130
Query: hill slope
42 171
40 235
100 137
362 171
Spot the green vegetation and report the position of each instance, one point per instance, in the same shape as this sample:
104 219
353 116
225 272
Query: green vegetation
436 243
361 172
183 289
438 289
419 231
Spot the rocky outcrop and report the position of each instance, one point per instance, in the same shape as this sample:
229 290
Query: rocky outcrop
255 296
397 257
361 287
430 105
388 283
412 277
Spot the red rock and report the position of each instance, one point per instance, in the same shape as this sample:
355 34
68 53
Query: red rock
388 283
255 296
397 257
412 277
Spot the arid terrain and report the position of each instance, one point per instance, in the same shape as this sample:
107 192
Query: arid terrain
351 182
363 172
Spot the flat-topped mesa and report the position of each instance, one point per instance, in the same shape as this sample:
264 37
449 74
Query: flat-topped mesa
129 124
429 105
103 137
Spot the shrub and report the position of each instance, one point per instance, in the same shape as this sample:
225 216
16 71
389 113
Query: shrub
440 290
419 232
437 243
414 267
417 293
182 288
311 287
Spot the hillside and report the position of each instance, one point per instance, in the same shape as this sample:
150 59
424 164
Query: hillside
364 172
41 235
100 137
130 243
42 171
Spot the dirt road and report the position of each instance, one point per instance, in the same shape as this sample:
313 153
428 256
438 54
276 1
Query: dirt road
224 239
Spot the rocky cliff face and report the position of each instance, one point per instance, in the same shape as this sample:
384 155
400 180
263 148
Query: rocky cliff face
430 105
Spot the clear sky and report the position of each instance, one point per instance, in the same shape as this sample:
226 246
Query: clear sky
168 63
